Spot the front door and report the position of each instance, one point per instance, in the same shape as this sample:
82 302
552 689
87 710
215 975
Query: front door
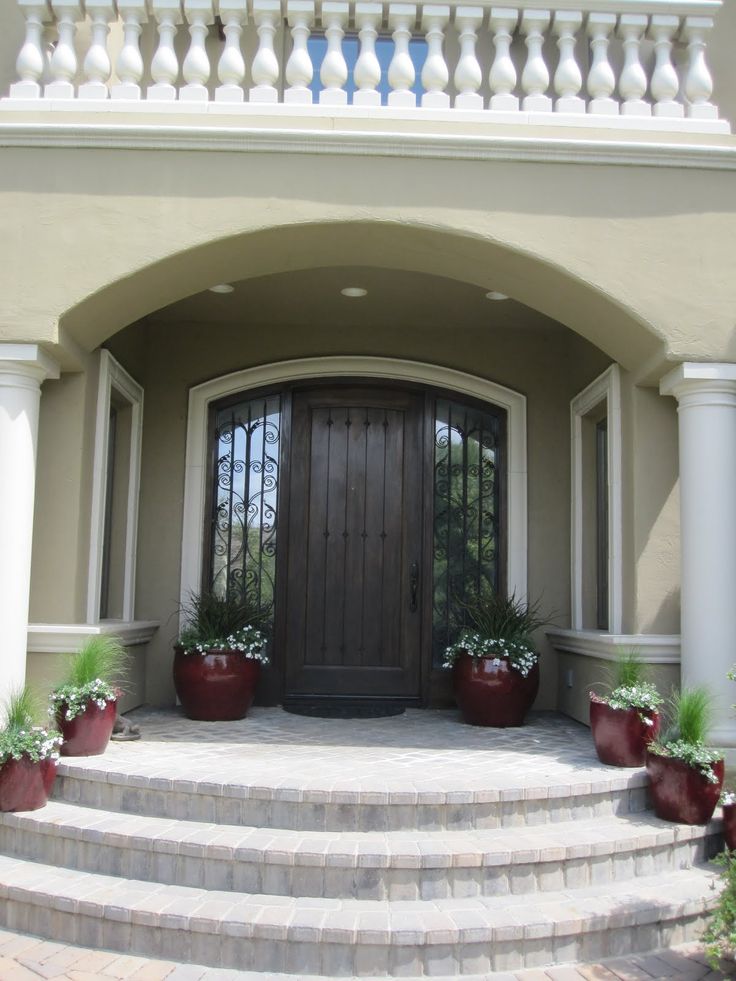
355 535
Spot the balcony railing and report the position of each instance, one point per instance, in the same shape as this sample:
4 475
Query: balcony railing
632 63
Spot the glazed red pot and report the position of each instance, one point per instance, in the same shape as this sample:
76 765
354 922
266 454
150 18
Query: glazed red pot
89 733
489 692
25 785
621 737
729 826
680 792
218 686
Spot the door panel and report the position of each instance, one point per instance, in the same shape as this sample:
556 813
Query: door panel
355 531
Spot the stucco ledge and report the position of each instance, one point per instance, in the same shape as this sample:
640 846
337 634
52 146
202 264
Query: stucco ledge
67 638
652 648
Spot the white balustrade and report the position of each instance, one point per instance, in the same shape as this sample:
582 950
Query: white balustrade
299 68
334 69
231 66
165 64
31 60
129 66
265 68
468 76
581 62
401 73
367 72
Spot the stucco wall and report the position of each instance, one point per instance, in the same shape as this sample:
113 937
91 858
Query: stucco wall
549 367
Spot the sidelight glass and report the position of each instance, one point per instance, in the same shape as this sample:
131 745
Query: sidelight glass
466 548
244 506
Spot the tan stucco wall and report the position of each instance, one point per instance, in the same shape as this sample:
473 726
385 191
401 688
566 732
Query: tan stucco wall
549 367
626 256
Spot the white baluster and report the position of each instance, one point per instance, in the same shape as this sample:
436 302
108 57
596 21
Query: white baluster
231 66
468 76
568 78
196 68
503 77
129 65
665 84
632 83
31 62
367 71
97 66
601 80
334 70
165 64
435 73
535 77
698 80
299 68
63 65
401 73
265 68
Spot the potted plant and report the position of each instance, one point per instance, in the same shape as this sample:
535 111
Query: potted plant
218 656
85 703
624 722
686 775
28 755
494 663
728 803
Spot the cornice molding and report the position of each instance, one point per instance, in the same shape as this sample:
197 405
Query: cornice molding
652 648
75 135
67 638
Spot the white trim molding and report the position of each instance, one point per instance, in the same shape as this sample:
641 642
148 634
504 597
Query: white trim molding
201 396
652 648
114 377
67 638
605 389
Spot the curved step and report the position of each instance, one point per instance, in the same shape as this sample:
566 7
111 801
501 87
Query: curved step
373 866
339 938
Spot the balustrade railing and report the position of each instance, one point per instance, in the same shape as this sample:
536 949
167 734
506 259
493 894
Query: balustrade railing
619 63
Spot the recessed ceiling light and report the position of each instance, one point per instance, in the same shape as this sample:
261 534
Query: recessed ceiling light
495 295
354 291
222 288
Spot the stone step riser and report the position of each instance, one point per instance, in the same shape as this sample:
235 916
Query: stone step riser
194 804
307 953
354 878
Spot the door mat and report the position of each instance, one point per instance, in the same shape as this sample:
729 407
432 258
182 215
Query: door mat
333 708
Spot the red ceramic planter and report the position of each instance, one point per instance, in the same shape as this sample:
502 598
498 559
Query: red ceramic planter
489 692
620 736
215 687
681 793
25 785
89 733
729 826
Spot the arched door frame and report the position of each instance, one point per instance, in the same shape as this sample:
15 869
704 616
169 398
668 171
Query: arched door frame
201 397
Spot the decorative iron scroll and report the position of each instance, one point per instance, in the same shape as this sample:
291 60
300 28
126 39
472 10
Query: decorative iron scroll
466 554
244 505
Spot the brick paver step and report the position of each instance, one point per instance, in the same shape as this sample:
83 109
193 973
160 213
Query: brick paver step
369 865
336 938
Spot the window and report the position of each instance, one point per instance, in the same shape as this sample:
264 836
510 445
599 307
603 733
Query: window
596 505
116 478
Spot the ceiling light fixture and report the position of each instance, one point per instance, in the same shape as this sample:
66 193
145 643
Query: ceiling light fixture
222 288
495 295
354 291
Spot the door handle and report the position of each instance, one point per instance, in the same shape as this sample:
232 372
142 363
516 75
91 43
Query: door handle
413 586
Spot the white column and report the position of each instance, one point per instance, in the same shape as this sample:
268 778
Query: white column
22 369
435 73
299 68
706 395
334 69
468 76
265 68
367 73
31 59
401 73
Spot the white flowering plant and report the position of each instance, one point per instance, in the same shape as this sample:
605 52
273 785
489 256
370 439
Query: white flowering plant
91 678
632 688
502 628
20 738
231 621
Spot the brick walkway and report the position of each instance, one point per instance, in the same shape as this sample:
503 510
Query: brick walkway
25 958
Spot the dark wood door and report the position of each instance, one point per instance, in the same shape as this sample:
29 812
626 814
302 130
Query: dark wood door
355 536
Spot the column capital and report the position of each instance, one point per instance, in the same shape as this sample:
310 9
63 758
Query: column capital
27 360
700 378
